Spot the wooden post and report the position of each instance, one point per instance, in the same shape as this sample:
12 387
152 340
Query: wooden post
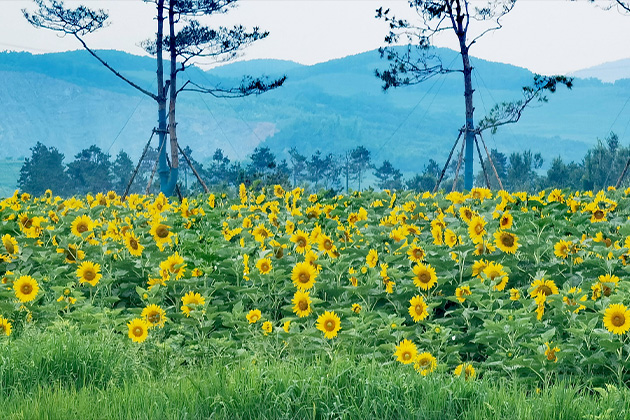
203 184
448 160
135 172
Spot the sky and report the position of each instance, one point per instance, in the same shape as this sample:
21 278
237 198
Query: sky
545 36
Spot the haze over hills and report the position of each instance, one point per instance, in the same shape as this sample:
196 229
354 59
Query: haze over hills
607 72
68 100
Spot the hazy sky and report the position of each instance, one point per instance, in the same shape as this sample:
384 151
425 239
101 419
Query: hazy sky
545 36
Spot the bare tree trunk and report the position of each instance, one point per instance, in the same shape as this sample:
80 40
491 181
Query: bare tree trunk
172 124
468 98
163 168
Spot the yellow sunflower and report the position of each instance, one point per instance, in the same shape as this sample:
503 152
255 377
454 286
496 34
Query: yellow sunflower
82 224
546 287
462 292
562 248
10 244
264 265
406 352
301 303
267 327
329 323
450 238
72 253
418 308
303 275
497 275
261 233
192 301
372 258
138 330
253 316
5 326
301 241
174 264
515 294
477 229
89 272
506 241
416 253
425 363
26 288
356 308
161 234
467 369
466 213
327 246
478 267
617 319
551 352
133 246
506 220
424 276
154 315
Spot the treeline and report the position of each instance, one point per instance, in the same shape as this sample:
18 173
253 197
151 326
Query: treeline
93 170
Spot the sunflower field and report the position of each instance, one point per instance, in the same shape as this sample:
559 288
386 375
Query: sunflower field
479 284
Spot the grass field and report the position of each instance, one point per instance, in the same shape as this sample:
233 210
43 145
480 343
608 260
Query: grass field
64 374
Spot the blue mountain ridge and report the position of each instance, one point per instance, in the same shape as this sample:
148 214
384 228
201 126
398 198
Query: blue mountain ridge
70 101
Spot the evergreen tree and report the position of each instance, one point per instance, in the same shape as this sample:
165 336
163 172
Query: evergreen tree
122 169
388 177
44 170
360 162
298 166
90 172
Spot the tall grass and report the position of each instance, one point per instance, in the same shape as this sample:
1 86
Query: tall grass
64 375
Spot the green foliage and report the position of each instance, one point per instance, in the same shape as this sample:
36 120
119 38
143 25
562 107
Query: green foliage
44 170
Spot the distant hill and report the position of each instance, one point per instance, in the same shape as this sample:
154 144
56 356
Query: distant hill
68 100
607 72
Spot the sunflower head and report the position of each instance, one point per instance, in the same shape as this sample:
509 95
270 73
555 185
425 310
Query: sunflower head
406 352
546 287
89 272
303 275
424 276
154 315
425 363
264 265
253 316
191 301
5 326
418 308
26 288
506 241
301 303
82 224
138 330
329 323
466 369
617 319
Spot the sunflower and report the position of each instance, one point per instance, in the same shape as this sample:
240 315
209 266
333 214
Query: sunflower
26 288
264 265
72 253
301 303
89 272
329 323
478 267
416 253
10 244
161 234
477 229
562 248
134 247
506 220
418 308
506 241
466 213
138 330
467 369
497 275
598 215
81 225
546 287
425 277
372 258
608 278
154 315
551 352
425 363
190 299
267 327
356 308
617 319
253 316
462 292
303 275
406 352
286 326
515 294
174 264
261 233
480 194
5 326
301 241
326 245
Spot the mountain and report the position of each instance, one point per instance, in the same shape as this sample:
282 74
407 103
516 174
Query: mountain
607 72
70 101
